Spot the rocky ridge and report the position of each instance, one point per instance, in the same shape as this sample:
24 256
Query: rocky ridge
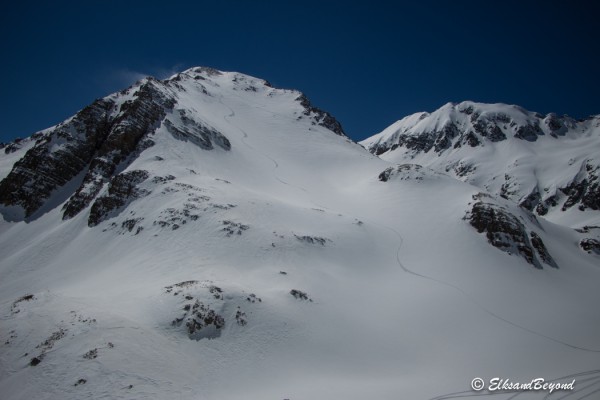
545 163
76 161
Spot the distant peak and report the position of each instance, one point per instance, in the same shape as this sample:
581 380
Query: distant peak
468 124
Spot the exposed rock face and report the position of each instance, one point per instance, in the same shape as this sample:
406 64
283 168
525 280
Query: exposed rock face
128 133
585 189
385 175
489 129
540 247
408 172
531 201
202 317
422 142
505 232
457 125
312 239
300 295
72 163
57 158
202 308
529 132
505 150
590 245
89 146
17 144
555 124
122 190
195 132
320 117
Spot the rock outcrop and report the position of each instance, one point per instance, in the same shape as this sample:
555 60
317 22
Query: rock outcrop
506 232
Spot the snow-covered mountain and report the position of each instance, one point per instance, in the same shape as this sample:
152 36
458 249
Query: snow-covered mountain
212 237
545 163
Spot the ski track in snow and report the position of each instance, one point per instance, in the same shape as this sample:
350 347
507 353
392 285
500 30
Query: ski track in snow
408 271
595 379
389 350
472 300
245 136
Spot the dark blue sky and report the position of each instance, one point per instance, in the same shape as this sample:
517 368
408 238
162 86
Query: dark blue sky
368 63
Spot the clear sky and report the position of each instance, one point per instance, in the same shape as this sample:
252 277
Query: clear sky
369 63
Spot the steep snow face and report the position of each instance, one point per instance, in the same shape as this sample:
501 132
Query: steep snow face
248 248
547 164
77 158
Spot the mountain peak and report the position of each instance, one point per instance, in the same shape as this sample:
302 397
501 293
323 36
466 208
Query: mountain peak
210 236
468 123
77 159
543 162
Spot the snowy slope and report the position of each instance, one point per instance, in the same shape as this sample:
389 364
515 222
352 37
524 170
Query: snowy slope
245 248
548 164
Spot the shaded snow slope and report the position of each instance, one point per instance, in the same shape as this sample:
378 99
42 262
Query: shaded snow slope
251 249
